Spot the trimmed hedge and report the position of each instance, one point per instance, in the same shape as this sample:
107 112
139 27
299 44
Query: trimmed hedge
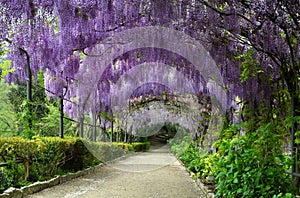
141 146
41 158
136 146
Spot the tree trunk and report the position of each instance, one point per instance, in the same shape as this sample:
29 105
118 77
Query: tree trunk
26 169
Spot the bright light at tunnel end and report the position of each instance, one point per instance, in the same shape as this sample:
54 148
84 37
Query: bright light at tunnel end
158 114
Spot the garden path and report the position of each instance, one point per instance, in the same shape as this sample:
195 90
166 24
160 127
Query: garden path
155 173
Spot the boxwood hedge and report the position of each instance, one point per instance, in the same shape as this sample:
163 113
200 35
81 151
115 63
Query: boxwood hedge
25 161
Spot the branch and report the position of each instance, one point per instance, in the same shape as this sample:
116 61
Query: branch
95 55
123 24
224 13
120 24
295 20
290 47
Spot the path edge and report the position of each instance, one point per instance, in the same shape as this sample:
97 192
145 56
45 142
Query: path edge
41 185
57 180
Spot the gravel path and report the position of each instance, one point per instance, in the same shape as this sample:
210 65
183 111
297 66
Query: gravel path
156 173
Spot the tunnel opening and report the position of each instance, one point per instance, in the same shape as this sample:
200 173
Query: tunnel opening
162 137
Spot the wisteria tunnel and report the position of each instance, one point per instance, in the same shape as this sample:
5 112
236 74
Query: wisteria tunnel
219 77
178 82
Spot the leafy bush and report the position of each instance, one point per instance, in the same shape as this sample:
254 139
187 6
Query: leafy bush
13 150
43 157
251 165
125 146
192 159
140 146
104 151
135 146
196 160
62 154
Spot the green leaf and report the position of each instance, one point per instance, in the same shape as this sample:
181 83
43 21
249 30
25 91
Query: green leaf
282 33
250 67
293 41
247 168
235 180
239 191
4 65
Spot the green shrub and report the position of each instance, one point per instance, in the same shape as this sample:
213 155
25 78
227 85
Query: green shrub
125 146
251 165
140 146
196 160
104 151
43 157
135 146
5 179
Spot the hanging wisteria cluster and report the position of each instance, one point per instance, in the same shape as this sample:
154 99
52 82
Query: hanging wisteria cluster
57 35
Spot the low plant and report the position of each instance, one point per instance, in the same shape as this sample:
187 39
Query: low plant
196 160
251 165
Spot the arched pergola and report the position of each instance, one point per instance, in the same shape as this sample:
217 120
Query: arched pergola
117 67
